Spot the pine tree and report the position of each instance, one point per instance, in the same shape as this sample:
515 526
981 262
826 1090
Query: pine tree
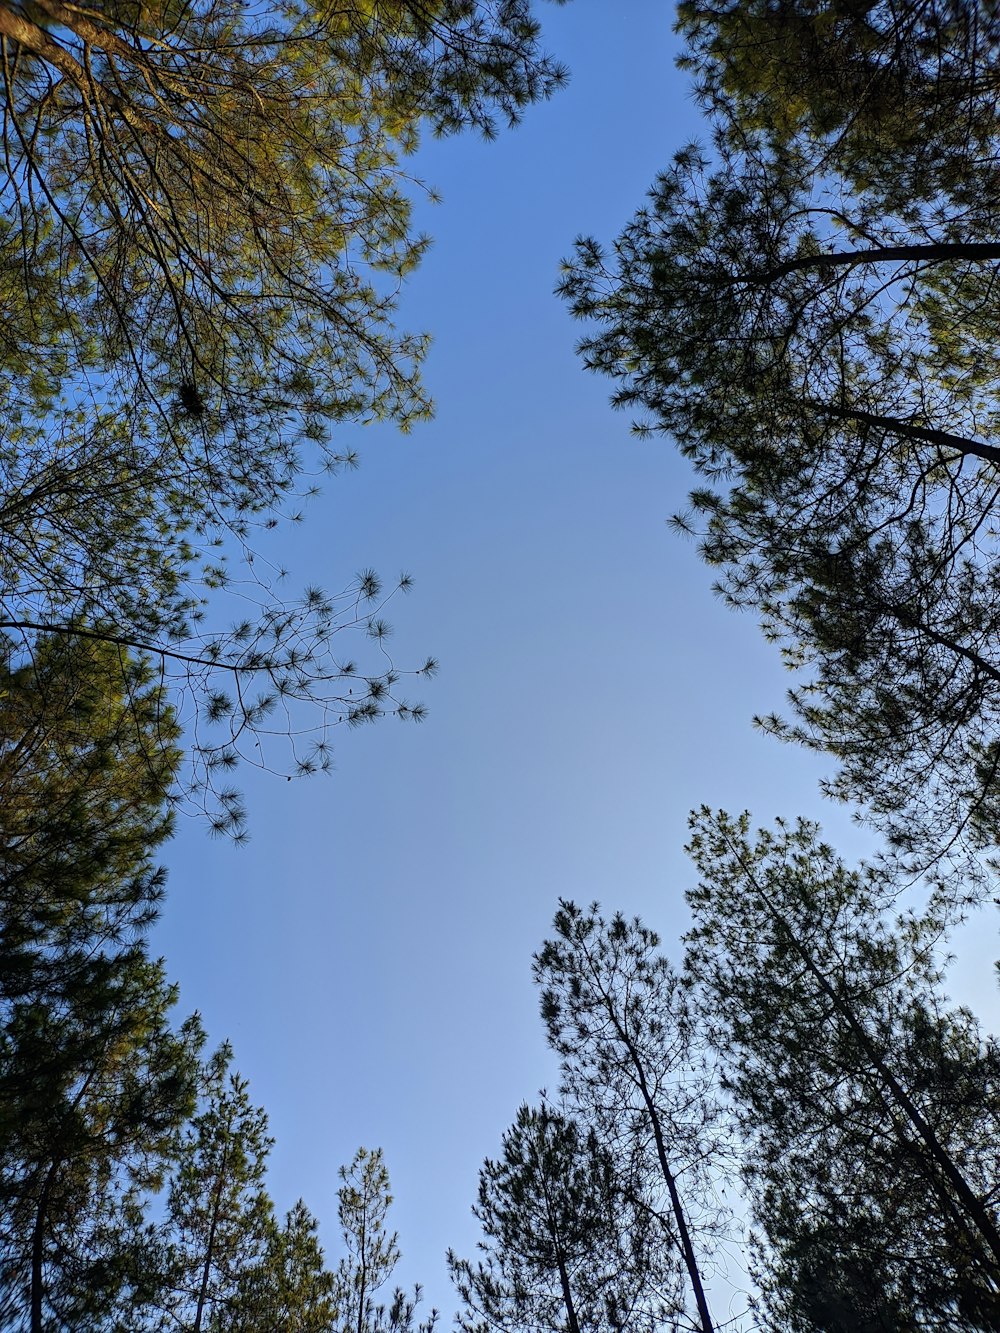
290 1290
220 1218
631 1068
95 1085
208 222
372 1254
868 1108
565 1247
826 362
94 1078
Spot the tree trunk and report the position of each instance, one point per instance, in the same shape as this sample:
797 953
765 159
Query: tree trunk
206 1269
687 1248
572 1323
38 1249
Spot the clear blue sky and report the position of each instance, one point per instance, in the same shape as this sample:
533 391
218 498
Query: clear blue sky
368 953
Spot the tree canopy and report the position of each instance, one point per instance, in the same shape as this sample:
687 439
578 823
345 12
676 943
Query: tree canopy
566 1247
825 358
899 100
806 1054
866 1104
208 222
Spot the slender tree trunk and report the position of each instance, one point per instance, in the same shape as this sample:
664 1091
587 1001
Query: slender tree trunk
567 1291
571 1321
206 1269
38 1249
687 1248
363 1266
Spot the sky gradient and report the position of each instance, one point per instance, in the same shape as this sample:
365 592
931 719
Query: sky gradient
368 953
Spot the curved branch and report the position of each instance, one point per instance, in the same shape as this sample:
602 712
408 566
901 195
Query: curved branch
908 430
933 252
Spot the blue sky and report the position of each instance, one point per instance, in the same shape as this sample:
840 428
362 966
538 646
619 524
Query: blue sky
368 953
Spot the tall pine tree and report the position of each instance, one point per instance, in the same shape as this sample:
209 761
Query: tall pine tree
94 1078
867 1105
566 1248
631 1067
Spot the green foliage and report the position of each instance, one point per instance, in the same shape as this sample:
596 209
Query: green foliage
897 100
208 222
632 1068
827 363
215 190
94 1080
371 1255
867 1107
290 1289
87 758
566 1249
95 1085
219 1215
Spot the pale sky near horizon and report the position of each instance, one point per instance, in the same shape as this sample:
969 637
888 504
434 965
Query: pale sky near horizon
368 953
